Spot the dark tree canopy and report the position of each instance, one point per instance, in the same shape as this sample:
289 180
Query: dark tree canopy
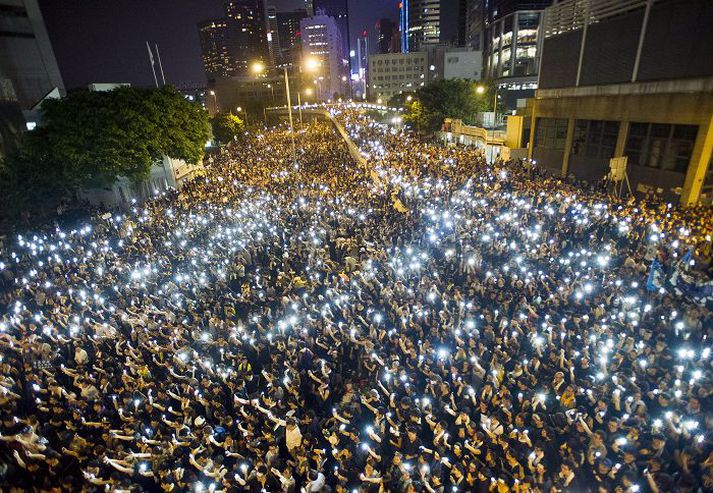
91 138
99 136
226 127
445 98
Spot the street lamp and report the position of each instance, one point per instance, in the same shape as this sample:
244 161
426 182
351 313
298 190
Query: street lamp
311 64
215 101
240 110
481 90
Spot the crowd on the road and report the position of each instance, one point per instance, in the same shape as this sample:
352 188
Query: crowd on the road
420 321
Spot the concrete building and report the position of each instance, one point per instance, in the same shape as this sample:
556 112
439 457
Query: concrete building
395 73
322 40
26 56
12 124
511 48
651 102
462 63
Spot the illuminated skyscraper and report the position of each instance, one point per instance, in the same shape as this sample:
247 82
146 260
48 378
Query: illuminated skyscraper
322 40
420 22
248 33
215 51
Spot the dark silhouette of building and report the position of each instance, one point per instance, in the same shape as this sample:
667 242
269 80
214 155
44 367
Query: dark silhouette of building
214 39
248 34
289 35
474 23
385 29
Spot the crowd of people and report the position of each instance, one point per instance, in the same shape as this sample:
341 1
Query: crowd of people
417 320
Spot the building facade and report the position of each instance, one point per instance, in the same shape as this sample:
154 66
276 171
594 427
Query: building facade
385 32
322 40
26 56
339 9
652 102
420 23
248 34
462 63
273 39
215 48
511 48
289 35
395 73
474 23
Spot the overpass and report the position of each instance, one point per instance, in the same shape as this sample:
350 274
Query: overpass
321 112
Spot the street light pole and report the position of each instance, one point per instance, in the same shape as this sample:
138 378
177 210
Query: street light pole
495 110
299 106
289 110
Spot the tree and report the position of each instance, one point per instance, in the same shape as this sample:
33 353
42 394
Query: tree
449 98
226 127
91 138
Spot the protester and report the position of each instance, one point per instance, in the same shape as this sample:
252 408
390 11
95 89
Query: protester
424 322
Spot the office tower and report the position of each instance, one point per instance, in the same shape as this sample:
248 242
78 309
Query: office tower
362 54
247 36
385 32
26 56
420 22
273 40
322 40
474 24
215 50
339 9
289 35
511 46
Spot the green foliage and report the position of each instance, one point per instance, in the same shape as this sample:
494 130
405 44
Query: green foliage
449 98
91 138
401 100
226 127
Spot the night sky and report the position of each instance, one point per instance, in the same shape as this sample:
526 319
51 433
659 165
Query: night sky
105 41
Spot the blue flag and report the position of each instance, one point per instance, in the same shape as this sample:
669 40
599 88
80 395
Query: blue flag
653 283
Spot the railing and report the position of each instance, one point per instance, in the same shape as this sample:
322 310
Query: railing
571 15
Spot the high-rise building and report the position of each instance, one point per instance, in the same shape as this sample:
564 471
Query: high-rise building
420 22
474 23
339 9
273 39
214 38
322 40
462 22
627 80
289 35
248 36
511 46
26 56
385 31
362 67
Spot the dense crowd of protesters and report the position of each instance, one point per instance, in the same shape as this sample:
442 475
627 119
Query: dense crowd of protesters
419 322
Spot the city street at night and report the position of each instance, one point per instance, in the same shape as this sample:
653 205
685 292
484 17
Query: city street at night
356 246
